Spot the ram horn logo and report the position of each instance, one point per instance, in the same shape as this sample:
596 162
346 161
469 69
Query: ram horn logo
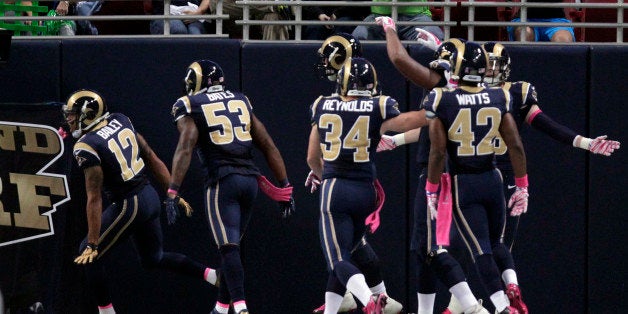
30 190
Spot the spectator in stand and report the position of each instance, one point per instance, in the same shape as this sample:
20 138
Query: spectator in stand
325 13
553 15
179 7
418 14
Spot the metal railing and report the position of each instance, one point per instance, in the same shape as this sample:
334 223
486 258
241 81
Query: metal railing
297 23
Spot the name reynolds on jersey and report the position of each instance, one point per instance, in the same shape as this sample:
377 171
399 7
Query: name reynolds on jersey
473 99
356 105
109 129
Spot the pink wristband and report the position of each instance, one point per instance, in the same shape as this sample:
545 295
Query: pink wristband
522 182
431 187
175 192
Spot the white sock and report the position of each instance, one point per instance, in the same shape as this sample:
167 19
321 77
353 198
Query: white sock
510 276
222 308
107 309
379 288
454 306
500 300
426 303
210 276
463 293
239 306
332 302
358 287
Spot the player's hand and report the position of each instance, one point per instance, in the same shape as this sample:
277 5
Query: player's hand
287 208
432 203
600 145
172 208
386 22
386 142
313 181
518 202
427 39
88 255
442 66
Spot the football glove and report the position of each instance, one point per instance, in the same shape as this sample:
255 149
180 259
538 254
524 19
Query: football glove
313 181
386 22
173 205
600 145
432 203
386 142
519 201
89 255
287 208
427 39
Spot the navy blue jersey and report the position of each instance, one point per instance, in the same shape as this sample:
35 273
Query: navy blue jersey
349 133
113 146
223 120
523 96
472 117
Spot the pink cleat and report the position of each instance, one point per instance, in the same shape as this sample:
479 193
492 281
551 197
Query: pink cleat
376 305
514 295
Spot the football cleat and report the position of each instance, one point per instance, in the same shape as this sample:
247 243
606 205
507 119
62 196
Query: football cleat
348 304
376 304
514 296
392 306
508 310
245 311
476 309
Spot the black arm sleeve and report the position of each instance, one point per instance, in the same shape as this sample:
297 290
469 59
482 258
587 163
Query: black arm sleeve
554 129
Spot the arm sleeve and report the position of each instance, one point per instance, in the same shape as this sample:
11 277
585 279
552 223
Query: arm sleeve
552 128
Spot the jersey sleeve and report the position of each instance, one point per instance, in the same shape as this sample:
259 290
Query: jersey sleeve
389 107
529 98
313 111
431 101
181 108
85 155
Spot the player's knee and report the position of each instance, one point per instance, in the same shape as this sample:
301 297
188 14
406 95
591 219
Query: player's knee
229 249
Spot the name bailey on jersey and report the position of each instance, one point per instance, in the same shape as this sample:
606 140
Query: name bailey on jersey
356 105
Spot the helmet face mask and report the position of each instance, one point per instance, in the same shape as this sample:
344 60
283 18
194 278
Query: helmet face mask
499 64
469 63
203 76
334 52
357 78
83 110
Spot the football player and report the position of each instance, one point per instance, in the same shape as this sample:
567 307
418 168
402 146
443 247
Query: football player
333 54
115 159
464 123
221 125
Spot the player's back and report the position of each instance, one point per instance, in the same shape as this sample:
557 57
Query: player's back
472 117
349 132
113 145
223 120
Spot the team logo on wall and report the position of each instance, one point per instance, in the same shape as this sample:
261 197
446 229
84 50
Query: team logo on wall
30 186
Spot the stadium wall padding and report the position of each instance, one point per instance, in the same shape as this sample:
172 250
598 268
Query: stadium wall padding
569 251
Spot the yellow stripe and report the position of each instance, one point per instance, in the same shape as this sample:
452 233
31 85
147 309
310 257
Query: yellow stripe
326 238
315 105
382 106
128 223
438 92
464 221
85 147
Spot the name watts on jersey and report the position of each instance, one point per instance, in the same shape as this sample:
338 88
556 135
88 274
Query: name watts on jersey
473 99
356 105
220 95
111 128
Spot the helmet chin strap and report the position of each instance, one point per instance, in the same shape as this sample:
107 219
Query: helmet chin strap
79 132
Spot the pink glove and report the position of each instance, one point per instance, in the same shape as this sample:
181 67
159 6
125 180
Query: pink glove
386 143
519 200
313 181
386 22
62 132
600 145
273 192
427 39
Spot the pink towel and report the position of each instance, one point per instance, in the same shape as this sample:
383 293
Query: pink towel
372 221
443 218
